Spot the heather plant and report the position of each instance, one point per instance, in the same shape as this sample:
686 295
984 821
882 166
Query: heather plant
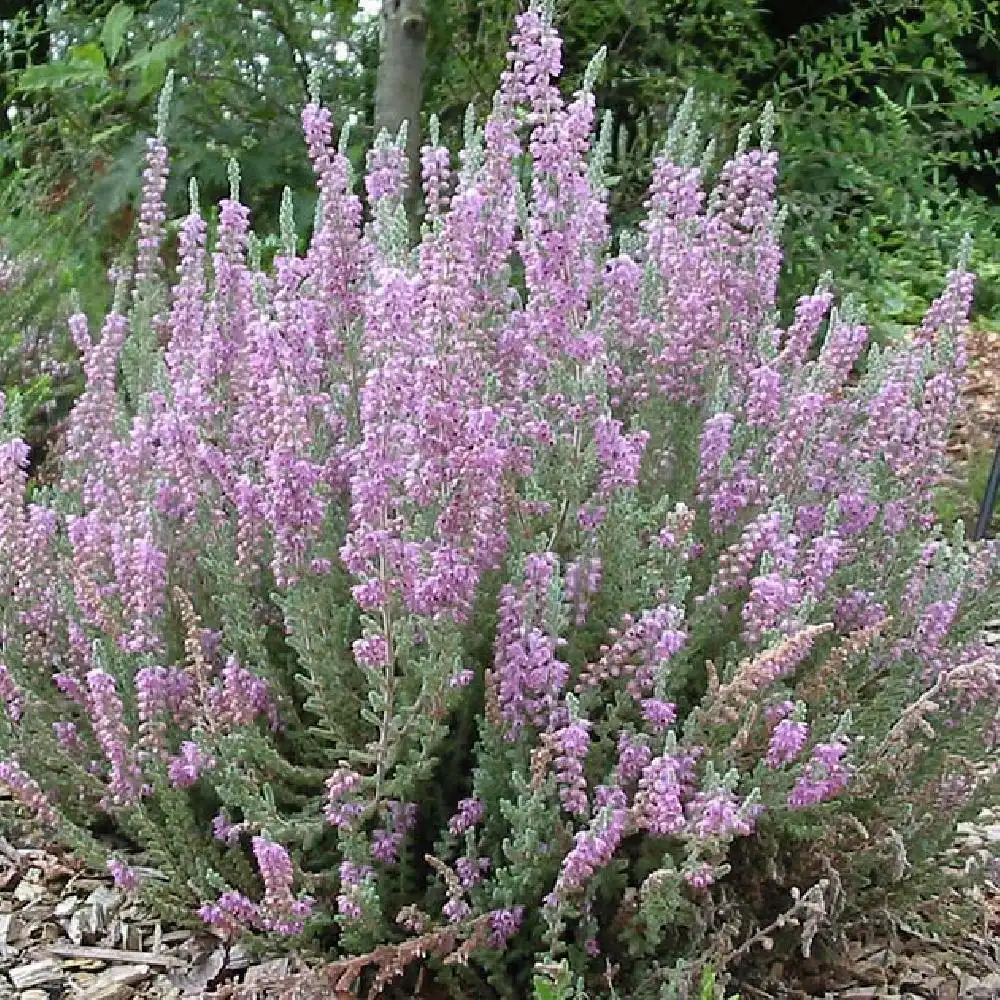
521 608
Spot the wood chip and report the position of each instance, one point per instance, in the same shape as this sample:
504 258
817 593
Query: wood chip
170 937
204 971
115 984
114 955
9 851
11 928
36 973
239 957
267 971
65 907
29 891
130 937
92 919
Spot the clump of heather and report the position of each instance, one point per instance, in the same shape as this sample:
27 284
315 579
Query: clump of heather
520 596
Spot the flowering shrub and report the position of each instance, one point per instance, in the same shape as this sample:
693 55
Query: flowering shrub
508 598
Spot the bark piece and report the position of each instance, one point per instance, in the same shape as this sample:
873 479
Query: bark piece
116 983
114 955
30 889
35 974
266 972
93 917
203 972
11 929
66 907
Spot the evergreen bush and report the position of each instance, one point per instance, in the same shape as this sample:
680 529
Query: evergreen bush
517 604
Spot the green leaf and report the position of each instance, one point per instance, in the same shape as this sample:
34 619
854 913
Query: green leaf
115 26
68 73
88 54
106 135
152 66
707 989
545 989
160 53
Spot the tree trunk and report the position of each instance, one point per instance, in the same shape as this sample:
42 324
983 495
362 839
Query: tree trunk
399 87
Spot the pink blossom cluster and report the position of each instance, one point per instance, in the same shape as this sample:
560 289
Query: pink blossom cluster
24 789
825 776
531 675
279 910
353 878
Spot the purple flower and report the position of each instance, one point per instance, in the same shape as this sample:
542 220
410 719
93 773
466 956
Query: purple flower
504 924
279 910
530 674
68 736
186 768
10 694
824 777
643 649
664 784
456 909
721 814
231 914
786 743
372 652
633 757
342 810
572 744
701 876
385 846
24 789
620 455
659 714
715 443
764 399
353 878
594 847
386 843
810 311
152 210
772 598
471 871
240 698
225 830
124 877
470 813
106 711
